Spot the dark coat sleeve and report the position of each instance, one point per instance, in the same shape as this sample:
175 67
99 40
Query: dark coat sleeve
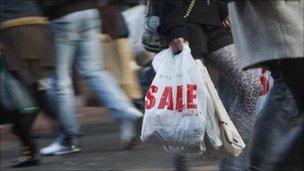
172 24
12 9
222 8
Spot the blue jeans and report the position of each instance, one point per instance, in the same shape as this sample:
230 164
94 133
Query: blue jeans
146 77
272 126
76 38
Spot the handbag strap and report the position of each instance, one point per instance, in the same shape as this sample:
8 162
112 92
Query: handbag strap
188 11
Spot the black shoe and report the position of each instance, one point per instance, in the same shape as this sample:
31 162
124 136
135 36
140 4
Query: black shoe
180 163
25 162
28 157
130 144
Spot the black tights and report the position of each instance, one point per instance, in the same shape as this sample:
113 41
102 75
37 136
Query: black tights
22 123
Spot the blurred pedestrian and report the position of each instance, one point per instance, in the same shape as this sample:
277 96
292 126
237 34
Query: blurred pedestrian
115 26
76 28
18 108
205 25
28 57
270 34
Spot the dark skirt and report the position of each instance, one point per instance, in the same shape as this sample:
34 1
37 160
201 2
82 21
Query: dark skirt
28 50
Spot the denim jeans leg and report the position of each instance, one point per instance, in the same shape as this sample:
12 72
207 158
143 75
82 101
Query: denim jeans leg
146 77
290 152
101 82
63 90
272 124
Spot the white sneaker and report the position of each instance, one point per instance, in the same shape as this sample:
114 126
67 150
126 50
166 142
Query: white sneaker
129 132
58 149
51 149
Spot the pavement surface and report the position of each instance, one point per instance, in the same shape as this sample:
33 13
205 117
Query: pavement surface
100 145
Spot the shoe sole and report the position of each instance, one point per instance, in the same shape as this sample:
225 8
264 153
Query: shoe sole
67 152
26 164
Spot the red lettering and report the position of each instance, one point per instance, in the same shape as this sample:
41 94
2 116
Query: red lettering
150 99
191 96
166 99
179 99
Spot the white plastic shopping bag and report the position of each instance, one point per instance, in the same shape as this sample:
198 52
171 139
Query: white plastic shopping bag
178 107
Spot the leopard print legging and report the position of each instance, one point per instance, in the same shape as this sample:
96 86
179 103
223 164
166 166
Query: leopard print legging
247 88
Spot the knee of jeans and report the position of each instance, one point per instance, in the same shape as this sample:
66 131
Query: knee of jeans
45 83
63 85
89 72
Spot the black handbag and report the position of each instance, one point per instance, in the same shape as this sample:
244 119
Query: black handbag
14 95
152 41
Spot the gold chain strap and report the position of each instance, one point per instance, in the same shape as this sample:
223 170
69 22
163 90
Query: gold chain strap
189 9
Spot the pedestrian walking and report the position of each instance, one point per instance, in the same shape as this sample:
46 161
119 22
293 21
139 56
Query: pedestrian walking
115 26
76 26
26 71
205 25
270 34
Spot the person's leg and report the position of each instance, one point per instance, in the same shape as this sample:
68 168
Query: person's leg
100 81
22 123
62 91
272 124
247 89
65 49
22 126
289 155
146 76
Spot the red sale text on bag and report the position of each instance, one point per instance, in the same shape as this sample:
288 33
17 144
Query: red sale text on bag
166 98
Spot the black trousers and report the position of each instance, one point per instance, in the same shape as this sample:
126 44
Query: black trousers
292 71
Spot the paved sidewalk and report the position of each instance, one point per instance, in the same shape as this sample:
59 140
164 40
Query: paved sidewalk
101 148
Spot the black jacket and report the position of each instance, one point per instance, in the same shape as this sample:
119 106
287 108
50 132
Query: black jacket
58 8
171 12
120 2
12 9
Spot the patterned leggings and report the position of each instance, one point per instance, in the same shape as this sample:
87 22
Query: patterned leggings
247 89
